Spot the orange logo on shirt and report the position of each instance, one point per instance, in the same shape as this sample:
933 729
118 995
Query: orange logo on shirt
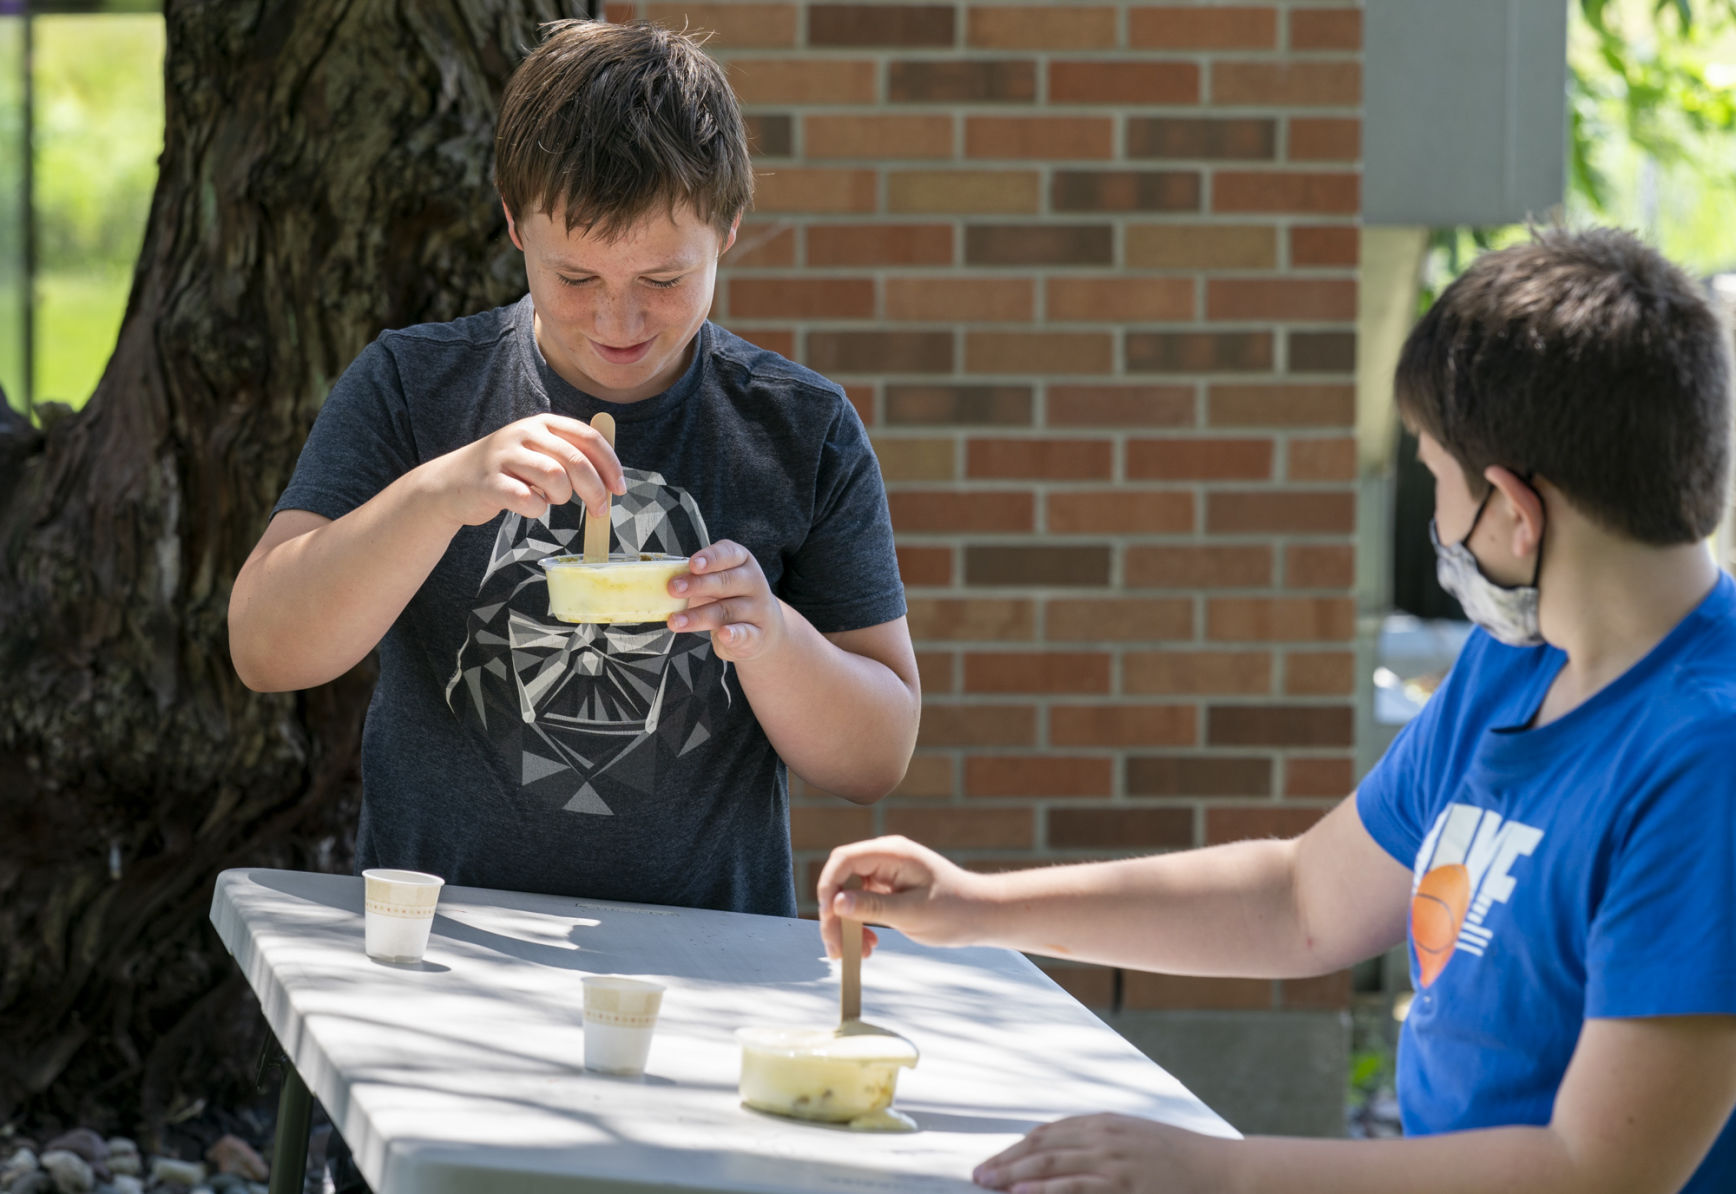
1437 914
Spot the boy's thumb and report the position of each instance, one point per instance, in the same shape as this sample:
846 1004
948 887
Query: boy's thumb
869 905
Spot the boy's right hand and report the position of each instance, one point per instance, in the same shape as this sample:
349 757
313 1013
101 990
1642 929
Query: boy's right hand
904 885
525 467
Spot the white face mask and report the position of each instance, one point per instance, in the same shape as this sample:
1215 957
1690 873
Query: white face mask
1507 612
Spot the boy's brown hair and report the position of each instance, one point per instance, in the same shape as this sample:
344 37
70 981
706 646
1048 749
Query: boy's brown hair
604 123
1590 360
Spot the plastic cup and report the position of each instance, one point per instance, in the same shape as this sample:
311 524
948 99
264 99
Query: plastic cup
620 1015
398 911
626 588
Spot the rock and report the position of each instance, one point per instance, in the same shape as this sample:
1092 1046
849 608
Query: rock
71 1172
127 1164
82 1141
126 1183
228 1183
234 1155
172 1172
17 1165
36 1181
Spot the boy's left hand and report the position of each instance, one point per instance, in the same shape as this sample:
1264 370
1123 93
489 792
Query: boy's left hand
1118 1153
728 595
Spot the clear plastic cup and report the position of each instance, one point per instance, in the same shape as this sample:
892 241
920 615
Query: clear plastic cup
398 910
620 1016
627 588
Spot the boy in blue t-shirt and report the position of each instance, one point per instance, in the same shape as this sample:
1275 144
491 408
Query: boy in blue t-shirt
1556 831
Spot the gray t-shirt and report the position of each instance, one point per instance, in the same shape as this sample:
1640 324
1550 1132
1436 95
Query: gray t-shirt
506 749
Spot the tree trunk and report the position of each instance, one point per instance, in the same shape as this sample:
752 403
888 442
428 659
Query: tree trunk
325 174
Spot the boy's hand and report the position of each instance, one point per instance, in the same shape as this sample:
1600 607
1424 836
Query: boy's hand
729 596
904 885
526 467
1118 1153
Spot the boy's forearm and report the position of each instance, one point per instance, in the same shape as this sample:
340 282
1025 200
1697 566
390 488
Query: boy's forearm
311 607
843 722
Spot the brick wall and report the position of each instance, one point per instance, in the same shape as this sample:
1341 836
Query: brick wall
1088 271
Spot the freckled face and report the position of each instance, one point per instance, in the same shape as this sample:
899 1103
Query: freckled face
616 318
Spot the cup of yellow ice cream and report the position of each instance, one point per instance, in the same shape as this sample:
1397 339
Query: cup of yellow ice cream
628 588
816 1074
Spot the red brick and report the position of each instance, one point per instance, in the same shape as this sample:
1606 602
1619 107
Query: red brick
1321 352
1199 352
881 25
1286 192
929 777
1280 725
1041 27
1120 406
1121 511
1288 84
1148 673
1282 406
1197 27
761 81
1307 775
1014 192
1118 300
1202 137
1123 725
1039 352
779 340
1048 565
770 134
1124 190
1242 822
1183 776
937 405
1326 992
862 136
1201 246
972 619
1319 566
1281 298
1143 991
734 25
1319 673
951 510
1331 458
965 828
1049 138
863 396
1120 828
1093 986
1326 245
1325 139
978 724
938 670
1198 567
1280 619
906 459
880 352
1038 244
1326 29
1118 619
801 298
1038 775
760 245
1036 671
794 189
619 12
924 565
1281 511
1141 83
825 827
964 81
1194 459
1040 459
961 300
880 244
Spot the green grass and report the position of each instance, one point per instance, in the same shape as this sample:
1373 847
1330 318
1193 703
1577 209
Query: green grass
12 342
78 316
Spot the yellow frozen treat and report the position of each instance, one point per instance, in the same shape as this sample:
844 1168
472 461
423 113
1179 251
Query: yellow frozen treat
813 1073
629 588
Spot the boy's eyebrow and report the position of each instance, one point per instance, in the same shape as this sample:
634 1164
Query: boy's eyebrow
673 265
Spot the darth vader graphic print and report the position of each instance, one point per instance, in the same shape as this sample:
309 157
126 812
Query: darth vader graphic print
591 714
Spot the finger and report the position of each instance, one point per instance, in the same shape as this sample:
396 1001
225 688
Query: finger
583 481
720 557
858 859
524 500
541 473
596 450
715 615
740 637
1047 1163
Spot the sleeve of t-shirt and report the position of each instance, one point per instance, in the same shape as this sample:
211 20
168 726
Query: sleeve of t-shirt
1663 937
845 574
1396 799
360 443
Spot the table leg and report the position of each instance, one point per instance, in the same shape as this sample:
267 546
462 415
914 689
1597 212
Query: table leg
294 1117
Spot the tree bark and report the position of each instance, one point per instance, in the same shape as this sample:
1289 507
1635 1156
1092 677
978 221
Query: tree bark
325 174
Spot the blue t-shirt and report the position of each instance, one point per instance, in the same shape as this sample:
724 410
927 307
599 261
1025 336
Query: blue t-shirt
1585 868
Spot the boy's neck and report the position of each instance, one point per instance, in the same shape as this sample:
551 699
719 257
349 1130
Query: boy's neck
1608 602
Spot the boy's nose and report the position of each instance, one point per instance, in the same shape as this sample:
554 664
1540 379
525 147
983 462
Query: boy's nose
620 321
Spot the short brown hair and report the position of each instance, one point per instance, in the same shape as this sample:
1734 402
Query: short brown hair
611 121
1589 359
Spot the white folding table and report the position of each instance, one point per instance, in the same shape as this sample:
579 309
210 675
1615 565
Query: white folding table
465 1074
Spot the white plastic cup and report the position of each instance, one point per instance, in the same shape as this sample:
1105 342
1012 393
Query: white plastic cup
620 1015
398 910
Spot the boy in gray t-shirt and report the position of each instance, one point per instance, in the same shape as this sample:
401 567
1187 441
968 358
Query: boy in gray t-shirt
504 748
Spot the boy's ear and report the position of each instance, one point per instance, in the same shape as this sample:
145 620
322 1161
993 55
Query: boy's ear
1525 505
511 227
729 240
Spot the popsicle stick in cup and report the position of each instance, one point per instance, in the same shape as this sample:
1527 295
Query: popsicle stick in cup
597 526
